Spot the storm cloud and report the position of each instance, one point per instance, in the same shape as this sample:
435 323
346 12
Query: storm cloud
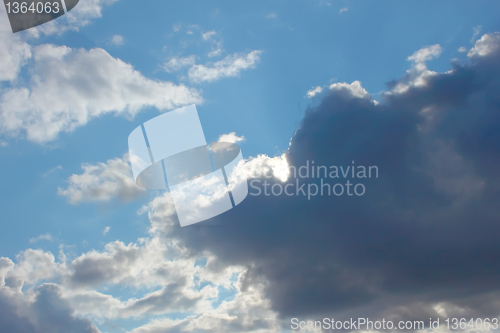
424 234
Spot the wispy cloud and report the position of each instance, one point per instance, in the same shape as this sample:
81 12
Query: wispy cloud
54 169
313 92
343 10
46 237
175 64
230 66
215 43
477 31
117 40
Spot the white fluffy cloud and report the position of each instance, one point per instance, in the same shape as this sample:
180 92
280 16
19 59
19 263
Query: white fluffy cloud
102 182
418 74
230 66
69 87
426 53
231 137
14 53
354 88
487 44
177 282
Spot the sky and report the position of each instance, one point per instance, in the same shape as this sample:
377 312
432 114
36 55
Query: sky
411 87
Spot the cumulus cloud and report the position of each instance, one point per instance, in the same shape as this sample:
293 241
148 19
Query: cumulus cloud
355 89
44 311
426 54
32 266
230 66
427 223
14 53
418 75
231 137
249 312
69 87
102 182
487 44
179 284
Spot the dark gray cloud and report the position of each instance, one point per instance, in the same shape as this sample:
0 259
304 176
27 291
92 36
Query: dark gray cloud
170 298
425 232
49 312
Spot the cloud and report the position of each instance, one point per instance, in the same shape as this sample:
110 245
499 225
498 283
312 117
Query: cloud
354 89
477 31
315 91
80 16
487 44
117 40
208 35
106 230
176 27
185 287
230 66
343 10
69 87
47 237
215 43
420 243
32 266
426 54
102 182
418 75
271 16
249 312
175 64
54 169
231 137
44 311
14 54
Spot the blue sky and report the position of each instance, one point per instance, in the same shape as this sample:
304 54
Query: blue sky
262 59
